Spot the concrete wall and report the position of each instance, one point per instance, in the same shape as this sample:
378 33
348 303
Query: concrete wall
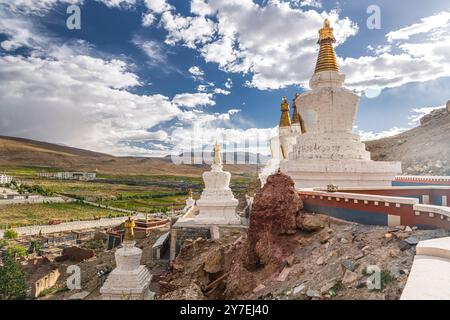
376 209
434 195
46 282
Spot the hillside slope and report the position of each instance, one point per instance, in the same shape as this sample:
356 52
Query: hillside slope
18 152
422 150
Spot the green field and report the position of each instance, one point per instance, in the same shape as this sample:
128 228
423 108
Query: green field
135 192
31 214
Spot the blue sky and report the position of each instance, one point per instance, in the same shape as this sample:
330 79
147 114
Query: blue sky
145 77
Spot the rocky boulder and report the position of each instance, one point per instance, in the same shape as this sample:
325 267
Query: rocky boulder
311 222
274 213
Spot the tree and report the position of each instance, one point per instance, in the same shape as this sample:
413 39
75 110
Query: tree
12 279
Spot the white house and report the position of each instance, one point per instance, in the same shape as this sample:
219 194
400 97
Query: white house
5 179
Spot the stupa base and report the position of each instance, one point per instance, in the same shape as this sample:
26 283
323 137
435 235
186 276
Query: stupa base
351 173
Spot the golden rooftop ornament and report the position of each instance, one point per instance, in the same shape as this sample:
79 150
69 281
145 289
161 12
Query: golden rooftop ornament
129 229
285 120
295 115
326 61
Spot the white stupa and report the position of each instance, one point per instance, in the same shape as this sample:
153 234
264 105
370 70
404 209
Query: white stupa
328 152
217 204
129 280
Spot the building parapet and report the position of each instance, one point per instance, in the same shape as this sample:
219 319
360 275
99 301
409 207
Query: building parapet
444 212
360 197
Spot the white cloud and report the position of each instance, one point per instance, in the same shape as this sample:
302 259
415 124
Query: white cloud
413 61
148 19
249 38
369 136
192 100
201 8
77 100
426 25
196 73
118 3
414 120
418 113
63 93
158 6
311 3
228 83
34 6
221 91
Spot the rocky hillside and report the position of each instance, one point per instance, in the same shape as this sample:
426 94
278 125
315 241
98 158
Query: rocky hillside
424 150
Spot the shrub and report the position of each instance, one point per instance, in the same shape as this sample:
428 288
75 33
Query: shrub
17 250
10 234
12 279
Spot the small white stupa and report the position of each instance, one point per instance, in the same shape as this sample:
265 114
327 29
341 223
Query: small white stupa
217 204
129 280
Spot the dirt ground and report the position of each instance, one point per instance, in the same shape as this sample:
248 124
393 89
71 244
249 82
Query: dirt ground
104 261
330 263
327 264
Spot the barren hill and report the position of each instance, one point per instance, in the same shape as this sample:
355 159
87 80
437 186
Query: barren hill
18 152
423 150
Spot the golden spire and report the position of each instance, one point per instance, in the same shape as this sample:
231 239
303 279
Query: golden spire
326 61
190 194
129 229
295 115
285 120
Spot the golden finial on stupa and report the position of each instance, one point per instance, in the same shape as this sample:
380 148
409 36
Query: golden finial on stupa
129 229
295 115
190 194
285 120
326 61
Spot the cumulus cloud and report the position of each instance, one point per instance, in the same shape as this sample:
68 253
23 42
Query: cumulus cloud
418 113
276 43
192 100
196 73
426 25
369 136
417 60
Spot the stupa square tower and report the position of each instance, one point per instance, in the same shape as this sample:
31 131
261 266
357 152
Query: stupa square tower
328 151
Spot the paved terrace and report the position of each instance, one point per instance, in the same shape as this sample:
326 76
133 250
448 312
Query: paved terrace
429 278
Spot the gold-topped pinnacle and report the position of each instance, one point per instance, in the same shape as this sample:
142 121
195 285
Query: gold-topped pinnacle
129 229
326 61
285 120
295 115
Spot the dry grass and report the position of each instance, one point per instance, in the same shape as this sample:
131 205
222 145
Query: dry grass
30 214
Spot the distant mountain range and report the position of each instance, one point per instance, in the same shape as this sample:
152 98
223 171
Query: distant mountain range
19 152
422 150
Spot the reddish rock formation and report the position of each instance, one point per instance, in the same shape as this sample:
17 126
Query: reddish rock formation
75 254
274 214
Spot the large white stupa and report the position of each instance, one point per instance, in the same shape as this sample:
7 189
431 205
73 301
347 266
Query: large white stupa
326 150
